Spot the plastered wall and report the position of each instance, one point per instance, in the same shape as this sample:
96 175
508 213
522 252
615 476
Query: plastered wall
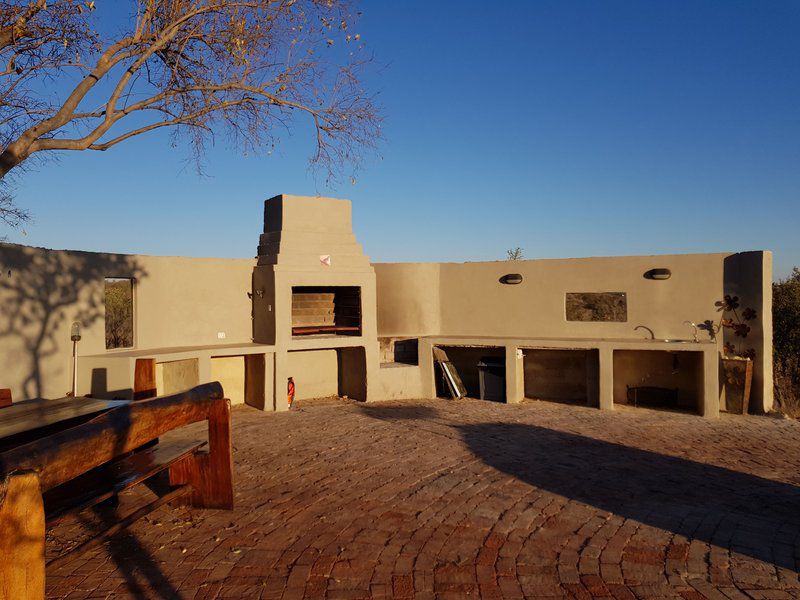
399 382
184 302
315 373
409 303
229 371
177 302
473 302
176 376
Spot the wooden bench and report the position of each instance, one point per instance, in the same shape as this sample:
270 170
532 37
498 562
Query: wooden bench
5 397
48 479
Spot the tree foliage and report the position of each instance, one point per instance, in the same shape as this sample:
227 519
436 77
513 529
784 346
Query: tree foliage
786 342
786 315
119 313
198 67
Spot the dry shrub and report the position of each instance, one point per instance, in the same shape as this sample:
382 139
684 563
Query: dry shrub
787 385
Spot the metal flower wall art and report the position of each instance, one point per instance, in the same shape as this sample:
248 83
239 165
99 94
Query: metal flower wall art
736 319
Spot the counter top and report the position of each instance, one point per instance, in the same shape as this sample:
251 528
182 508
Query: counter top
587 343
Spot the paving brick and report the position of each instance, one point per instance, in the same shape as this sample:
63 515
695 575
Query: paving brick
442 499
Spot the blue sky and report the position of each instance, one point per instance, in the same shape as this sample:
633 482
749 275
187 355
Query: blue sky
568 128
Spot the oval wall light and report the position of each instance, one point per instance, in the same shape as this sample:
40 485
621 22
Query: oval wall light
658 274
511 279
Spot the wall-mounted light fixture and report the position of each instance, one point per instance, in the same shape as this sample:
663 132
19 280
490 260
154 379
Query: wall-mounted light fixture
658 274
511 279
75 336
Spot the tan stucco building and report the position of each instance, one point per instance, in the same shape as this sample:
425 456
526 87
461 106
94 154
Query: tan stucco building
312 306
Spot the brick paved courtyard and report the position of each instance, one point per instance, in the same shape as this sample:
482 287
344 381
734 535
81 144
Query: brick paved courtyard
459 499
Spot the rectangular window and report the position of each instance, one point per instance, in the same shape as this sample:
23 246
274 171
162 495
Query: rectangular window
593 306
119 312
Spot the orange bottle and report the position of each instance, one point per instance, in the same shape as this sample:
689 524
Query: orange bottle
290 397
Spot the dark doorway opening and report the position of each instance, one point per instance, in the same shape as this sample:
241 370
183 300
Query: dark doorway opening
569 375
467 360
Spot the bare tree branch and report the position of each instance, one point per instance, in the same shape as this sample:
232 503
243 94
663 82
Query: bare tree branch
201 67
11 214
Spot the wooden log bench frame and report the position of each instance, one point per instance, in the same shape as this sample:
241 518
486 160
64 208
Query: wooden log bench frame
41 481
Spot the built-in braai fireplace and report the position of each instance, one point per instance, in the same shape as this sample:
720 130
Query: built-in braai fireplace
313 286
326 310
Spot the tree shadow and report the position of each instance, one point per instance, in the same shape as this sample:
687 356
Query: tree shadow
42 292
392 413
142 574
661 491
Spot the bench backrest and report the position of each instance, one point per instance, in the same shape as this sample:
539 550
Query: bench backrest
64 455
26 471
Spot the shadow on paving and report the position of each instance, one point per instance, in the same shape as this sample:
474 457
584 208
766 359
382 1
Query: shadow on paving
745 513
142 573
403 413
750 515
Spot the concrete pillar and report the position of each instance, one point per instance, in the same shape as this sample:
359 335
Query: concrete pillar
372 361
281 379
606 378
426 370
592 379
269 381
764 352
749 276
710 406
204 368
515 375
259 381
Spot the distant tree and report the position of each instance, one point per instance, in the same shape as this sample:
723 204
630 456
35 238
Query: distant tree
197 67
514 254
119 313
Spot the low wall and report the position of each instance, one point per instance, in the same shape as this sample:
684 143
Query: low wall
471 300
229 371
408 299
399 382
177 302
315 373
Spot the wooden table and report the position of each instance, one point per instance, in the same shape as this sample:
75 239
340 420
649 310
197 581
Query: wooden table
30 419
56 473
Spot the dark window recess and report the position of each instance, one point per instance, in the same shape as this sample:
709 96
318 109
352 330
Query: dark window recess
326 310
407 351
119 312
592 306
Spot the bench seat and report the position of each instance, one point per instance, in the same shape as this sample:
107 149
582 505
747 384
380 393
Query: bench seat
109 479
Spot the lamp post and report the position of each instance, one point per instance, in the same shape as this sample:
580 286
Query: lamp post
75 336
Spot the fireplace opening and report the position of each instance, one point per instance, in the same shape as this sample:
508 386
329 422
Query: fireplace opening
320 310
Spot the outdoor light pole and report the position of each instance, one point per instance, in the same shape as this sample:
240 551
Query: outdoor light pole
75 336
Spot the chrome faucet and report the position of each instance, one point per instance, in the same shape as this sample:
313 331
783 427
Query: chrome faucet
650 331
693 325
